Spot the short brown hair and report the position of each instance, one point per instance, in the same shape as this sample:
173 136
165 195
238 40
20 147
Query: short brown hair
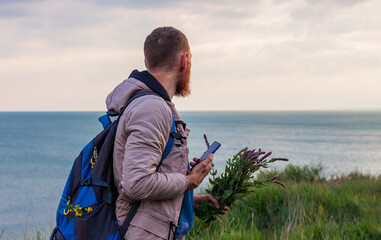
162 46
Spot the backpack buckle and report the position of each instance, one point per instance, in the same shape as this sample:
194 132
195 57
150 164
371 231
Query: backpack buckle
87 182
177 136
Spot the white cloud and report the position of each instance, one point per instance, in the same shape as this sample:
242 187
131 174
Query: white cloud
67 55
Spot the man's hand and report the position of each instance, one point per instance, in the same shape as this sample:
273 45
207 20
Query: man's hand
199 172
198 199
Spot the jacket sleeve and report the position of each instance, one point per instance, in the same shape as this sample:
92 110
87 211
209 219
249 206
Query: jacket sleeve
148 127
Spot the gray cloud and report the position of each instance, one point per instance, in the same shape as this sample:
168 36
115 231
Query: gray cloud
278 45
344 3
11 11
136 3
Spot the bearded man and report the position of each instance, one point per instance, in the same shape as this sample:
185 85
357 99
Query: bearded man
141 138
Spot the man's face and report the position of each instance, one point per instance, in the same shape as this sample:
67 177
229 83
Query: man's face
183 85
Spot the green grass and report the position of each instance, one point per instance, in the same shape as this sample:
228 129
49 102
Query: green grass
311 207
27 234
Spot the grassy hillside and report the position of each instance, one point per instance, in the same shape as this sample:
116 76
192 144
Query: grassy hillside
311 207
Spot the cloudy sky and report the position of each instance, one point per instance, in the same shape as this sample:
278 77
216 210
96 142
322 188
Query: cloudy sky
247 55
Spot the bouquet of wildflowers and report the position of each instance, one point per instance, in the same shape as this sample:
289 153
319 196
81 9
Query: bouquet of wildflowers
237 181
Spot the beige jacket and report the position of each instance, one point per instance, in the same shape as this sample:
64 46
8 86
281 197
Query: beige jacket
141 137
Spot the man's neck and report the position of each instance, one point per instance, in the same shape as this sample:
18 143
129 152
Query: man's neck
168 80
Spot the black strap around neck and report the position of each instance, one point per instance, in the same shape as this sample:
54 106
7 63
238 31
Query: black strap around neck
151 82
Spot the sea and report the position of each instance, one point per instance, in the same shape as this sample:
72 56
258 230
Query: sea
37 150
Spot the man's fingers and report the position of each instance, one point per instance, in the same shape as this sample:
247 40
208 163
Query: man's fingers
196 160
208 162
192 164
213 201
223 212
210 157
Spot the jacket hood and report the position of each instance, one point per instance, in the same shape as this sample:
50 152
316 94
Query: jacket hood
136 82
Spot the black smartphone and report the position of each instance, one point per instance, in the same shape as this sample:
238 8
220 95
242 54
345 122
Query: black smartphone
212 149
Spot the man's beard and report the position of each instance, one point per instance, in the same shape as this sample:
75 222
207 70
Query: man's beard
183 86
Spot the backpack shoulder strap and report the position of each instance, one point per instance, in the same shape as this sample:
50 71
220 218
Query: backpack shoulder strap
105 119
170 142
171 139
135 206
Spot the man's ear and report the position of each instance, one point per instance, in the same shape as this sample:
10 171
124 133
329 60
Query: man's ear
184 61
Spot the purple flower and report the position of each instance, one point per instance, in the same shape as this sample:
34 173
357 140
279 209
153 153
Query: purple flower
248 154
281 159
206 141
265 156
280 183
245 152
273 178
254 156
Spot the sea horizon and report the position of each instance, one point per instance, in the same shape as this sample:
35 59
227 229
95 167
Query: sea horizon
203 110
37 149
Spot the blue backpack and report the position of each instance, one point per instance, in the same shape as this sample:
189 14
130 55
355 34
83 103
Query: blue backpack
87 206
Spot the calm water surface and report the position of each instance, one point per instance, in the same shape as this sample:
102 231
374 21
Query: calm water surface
38 149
